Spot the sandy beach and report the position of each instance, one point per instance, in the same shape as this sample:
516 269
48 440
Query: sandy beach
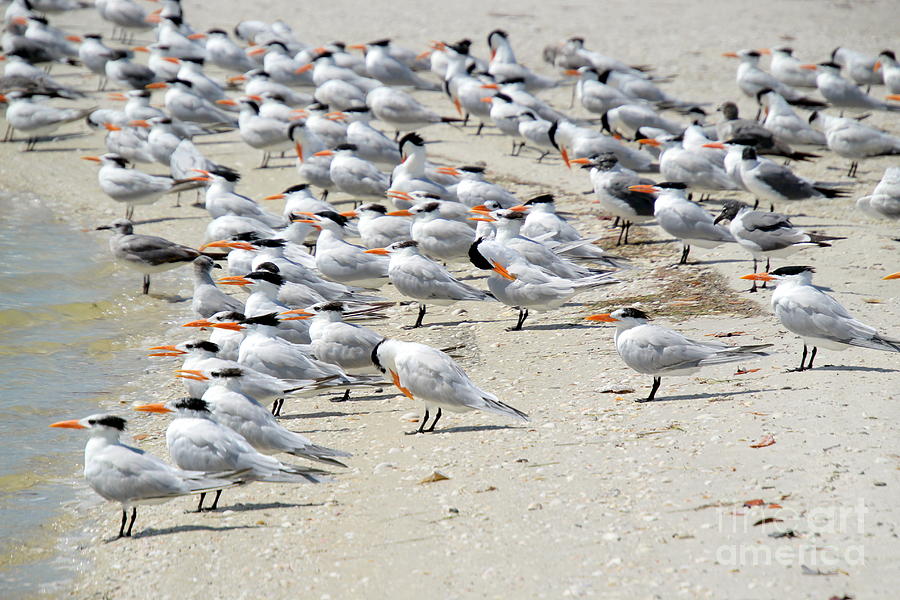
598 495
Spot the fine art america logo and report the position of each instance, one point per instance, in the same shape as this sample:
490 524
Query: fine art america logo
811 539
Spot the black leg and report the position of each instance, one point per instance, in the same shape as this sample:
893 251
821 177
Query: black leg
541 157
276 408
627 229
480 127
768 266
421 428
122 526
343 398
812 357
523 314
324 195
656 382
437 418
755 265
755 203
146 284
421 316
131 525
621 232
216 501
684 255
200 504
802 366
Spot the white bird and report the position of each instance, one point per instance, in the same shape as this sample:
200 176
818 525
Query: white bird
299 200
420 278
612 183
691 166
121 71
751 79
625 120
427 374
786 124
440 237
146 253
573 141
785 67
524 286
130 476
207 299
313 168
225 54
683 219
376 228
94 55
185 104
860 67
656 350
845 94
767 234
30 115
341 261
816 317
131 186
503 64
259 132
388 70
222 199
851 139
474 189
410 175
884 202
890 68
777 183
400 111
198 442
354 176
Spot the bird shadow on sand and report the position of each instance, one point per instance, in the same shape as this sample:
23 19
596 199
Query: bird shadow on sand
150 532
242 507
854 368
724 395
555 326
197 217
174 299
473 428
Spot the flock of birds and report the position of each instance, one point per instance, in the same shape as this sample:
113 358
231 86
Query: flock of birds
298 331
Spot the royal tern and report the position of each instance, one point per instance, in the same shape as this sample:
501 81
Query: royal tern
851 139
683 219
280 64
751 79
259 132
388 70
786 124
354 176
626 119
573 141
420 278
341 261
30 115
376 228
335 341
54 40
816 317
503 64
130 476
225 54
299 199
860 67
185 104
258 82
198 442
785 67
222 199
572 54
691 166
751 133
884 202
439 237
656 350
146 253
410 176
313 168
131 186
767 234
398 110
427 374
473 188
845 94
887 63
191 69
338 94
121 71
264 301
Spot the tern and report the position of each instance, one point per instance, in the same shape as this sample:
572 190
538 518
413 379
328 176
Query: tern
130 476
816 317
683 219
844 94
147 253
341 261
786 68
504 65
402 112
786 124
29 114
753 134
198 442
439 237
225 54
887 63
424 373
376 228
420 278
767 234
658 351
884 202
860 67
354 176
388 70
612 185
208 299
851 139
474 189
751 79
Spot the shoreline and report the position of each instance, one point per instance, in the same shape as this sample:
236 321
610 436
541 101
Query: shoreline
613 498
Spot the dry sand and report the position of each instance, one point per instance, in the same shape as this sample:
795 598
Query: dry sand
597 495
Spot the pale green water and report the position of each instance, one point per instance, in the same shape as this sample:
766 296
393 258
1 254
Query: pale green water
63 340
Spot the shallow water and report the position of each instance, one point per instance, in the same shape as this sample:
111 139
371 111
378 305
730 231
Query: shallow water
63 354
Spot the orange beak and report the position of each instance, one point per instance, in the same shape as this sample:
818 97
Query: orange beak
197 36
490 86
158 407
485 218
481 208
324 153
111 127
139 123
380 251
68 425
581 161
227 244
498 268
226 102
256 51
92 158
520 207
237 78
645 189
74 38
758 277
730 55
809 67
356 47
350 214
141 49
765 51
448 171
298 311
649 142
892 276
170 351
487 99
157 85
571 72
605 317
191 374
234 281
400 213
172 60
200 323
716 145
117 96
304 68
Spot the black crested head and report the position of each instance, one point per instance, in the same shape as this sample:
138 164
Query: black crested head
232 316
270 243
794 270
411 138
374 207
268 266
194 59
604 123
497 32
542 199
831 64
471 169
251 103
889 53
477 258
227 174
382 43
269 276
374 356
111 421
672 185
503 97
786 49
462 46
227 373
337 218
351 147
214 31
296 188
577 40
429 207
604 76
405 244
753 53
245 236
93 36
331 307
268 319
834 53
204 345
512 80
551 133
748 153
122 162
634 313
512 215
326 54
605 161
196 404
762 93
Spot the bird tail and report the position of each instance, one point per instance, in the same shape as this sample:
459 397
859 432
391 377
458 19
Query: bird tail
831 192
450 120
802 156
321 454
807 102
877 342
736 353
291 474
822 240
495 406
